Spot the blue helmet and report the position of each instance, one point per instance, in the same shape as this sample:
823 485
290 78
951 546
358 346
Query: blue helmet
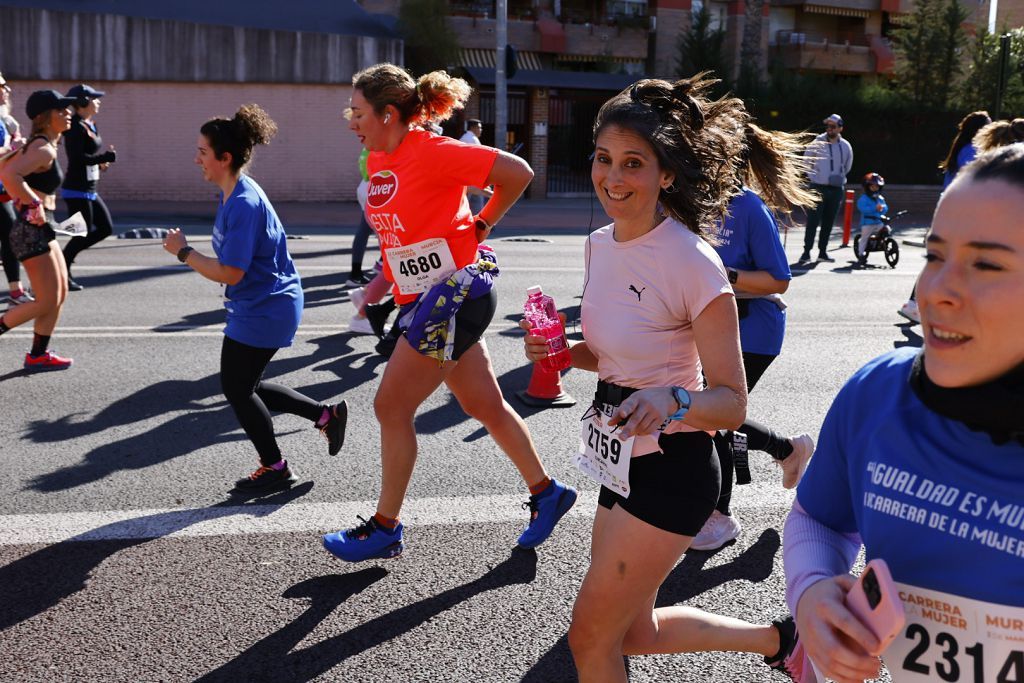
872 179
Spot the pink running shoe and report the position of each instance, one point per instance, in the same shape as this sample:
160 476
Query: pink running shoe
46 362
791 660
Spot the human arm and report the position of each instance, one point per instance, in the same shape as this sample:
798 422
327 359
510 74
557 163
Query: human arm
848 166
208 267
37 157
723 404
510 176
75 141
817 562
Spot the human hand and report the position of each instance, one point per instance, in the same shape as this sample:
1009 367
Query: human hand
535 345
644 411
833 636
35 214
175 241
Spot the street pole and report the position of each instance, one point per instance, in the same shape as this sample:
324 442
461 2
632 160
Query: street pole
1004 67
993 7
500 84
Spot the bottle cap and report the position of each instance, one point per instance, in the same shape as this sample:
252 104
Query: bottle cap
534 290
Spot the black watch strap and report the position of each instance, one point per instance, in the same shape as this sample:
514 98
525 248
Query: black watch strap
184 252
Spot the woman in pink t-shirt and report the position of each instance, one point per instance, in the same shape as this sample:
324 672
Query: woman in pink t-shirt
443 279
660 329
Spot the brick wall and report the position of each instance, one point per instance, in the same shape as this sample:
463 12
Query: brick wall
580 39
673 22
154 127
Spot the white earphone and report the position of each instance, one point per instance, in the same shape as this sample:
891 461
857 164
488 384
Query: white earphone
387 117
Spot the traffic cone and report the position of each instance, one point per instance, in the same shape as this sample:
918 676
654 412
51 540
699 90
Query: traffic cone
545 390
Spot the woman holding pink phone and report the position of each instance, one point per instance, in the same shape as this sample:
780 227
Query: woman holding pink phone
921 461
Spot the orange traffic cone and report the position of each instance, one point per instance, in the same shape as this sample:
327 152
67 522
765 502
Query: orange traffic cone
545 390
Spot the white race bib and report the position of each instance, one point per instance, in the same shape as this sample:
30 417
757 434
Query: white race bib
418 267
950 638
603 453
92 172
74 226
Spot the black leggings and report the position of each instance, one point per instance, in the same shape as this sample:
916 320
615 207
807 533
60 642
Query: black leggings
12 269
359 245
759 437
97 218
241 373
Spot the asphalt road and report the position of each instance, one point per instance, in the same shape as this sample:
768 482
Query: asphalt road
123 559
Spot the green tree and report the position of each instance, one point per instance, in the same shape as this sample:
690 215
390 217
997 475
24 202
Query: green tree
430 43
928 48
977 88
702 48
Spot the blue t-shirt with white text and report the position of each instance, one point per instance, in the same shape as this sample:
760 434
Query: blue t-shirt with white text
940 503
749 240
264 308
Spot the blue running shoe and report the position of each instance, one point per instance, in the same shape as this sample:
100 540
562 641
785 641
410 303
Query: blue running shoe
546 508
367 541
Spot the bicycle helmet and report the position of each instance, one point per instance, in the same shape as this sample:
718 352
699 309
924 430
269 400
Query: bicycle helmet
872 179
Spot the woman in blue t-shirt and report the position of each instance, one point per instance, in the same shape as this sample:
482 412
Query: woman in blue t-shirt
750 248
263 295
921 461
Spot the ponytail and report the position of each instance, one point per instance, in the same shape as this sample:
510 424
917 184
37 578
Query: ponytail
432 98
250 126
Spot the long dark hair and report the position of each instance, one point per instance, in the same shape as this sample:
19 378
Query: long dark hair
250 126
695 138
1004 163
965 132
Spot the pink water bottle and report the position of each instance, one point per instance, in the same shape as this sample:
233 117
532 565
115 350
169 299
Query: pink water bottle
539 310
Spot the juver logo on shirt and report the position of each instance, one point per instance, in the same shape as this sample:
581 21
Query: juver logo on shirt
383 187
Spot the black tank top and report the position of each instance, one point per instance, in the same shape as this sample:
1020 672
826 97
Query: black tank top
46 181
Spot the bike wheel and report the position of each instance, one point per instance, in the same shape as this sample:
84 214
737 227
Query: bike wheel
856 251
892 252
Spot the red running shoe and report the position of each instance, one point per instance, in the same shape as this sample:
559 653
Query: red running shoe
47 361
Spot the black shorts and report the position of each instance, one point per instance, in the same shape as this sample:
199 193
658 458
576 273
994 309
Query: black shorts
29 240
471 321
675 491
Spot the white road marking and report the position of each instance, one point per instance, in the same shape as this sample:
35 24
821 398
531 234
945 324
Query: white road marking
296 517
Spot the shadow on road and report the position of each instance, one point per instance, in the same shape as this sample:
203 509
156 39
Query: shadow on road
33 584
910 337
688 580
205 422
274 657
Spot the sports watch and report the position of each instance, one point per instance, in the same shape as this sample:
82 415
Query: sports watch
184 252
682 397
734 275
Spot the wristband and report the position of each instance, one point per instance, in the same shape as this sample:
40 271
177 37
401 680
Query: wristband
184 252
480 219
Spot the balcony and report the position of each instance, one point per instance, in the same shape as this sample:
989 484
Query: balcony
525 34
848 54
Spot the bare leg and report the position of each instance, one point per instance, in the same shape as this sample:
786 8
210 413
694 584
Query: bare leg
408 380
49 278
476 388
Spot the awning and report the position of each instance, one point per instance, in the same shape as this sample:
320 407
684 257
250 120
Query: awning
478 57
836 11
599 58
546 78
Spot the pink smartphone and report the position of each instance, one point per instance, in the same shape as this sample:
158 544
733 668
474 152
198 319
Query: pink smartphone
876 602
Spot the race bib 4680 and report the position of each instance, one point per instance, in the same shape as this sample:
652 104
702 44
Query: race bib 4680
418 267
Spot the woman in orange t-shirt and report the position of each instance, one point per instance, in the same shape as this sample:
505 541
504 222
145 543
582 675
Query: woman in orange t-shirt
443 280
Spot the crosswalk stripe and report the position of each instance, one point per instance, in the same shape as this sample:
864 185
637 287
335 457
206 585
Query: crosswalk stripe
225 520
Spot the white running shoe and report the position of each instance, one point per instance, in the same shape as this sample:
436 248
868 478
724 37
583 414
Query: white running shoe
359 325
793 466
910 312
357 297
22 298
717 531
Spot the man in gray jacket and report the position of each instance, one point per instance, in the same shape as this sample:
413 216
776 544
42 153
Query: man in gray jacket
833 158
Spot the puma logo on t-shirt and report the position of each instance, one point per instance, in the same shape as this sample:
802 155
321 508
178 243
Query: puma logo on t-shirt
633 289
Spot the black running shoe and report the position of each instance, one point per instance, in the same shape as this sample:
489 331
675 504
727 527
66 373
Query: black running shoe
790 660
378 314
74 286
266 479
386 346
334 430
